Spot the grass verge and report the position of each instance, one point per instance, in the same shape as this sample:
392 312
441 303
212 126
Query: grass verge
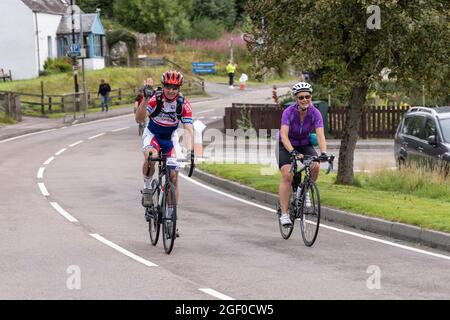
427 209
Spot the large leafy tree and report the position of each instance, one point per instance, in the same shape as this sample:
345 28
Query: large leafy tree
222 11
351 44
91 5
166 18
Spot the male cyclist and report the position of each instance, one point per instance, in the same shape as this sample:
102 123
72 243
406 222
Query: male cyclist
297 122
165 109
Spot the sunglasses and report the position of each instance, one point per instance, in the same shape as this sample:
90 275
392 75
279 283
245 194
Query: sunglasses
171 86
304 97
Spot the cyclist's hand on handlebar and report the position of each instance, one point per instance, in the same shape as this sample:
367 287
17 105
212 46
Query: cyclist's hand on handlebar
326 157
295 154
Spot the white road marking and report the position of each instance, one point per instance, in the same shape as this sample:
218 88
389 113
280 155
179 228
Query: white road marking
393 244
63 212
98 135
49 160
26 135
60 151
122 250
204 111
43 189
76 143
102 120
120 129
216 294
40 173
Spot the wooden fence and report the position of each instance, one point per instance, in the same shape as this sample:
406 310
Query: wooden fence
376 121
54 103
10 106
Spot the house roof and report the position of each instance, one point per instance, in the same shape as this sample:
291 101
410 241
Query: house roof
47 6
88 20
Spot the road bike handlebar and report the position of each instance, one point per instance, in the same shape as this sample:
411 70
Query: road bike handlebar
191 160
308 161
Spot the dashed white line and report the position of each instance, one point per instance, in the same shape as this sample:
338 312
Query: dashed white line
60 151
43 189
216 294
393 244
122 250
49 160
96 136
63 212
204 111
40 173
120 129
76 143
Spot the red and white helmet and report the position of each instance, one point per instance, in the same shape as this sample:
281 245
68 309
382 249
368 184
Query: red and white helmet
172 77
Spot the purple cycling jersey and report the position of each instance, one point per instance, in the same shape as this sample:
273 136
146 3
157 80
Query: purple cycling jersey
299 131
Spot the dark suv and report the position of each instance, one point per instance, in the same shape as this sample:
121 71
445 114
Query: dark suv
423 136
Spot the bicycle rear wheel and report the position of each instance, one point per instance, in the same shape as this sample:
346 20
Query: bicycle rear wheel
169 217
285 231
310 214
154 215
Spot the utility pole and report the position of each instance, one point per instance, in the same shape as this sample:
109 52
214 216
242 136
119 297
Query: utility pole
74 60
83 70
231 50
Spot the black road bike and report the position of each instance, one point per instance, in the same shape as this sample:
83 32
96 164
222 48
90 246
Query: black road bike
164 209
305 203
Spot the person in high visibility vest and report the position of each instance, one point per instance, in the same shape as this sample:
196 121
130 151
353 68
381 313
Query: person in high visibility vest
231 68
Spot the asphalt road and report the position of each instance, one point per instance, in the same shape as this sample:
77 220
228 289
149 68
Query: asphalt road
227 248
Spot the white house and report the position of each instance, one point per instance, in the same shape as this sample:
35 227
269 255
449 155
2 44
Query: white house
33 30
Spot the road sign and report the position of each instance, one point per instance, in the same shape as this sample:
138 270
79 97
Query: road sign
195 70
75 47
203 67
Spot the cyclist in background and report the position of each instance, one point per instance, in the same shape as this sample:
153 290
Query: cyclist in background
297 122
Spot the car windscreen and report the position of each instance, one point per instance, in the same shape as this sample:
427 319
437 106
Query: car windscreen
445 126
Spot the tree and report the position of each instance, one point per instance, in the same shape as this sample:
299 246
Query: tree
223 11
352 42
166 18
90 6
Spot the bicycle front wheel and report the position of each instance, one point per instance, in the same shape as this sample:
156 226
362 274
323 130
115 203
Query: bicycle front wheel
285 231
310 214
154 215
169 217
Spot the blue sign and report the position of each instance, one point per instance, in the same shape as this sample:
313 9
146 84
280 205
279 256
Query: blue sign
203 64
75 47
195 70
203 67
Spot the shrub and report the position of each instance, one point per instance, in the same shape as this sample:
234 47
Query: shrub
58 65
204 28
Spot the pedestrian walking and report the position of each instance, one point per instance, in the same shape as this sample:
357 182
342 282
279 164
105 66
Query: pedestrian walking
104 89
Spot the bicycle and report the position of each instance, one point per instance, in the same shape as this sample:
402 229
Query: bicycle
141 125
305 203
164 198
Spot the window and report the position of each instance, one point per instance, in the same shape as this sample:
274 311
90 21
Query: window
445 126
97 46
430 128
414 126
50 46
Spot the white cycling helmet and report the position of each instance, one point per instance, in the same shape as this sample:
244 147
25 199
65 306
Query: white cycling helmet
301 87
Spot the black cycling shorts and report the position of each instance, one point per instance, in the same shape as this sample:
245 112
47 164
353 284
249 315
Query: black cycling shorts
284 157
